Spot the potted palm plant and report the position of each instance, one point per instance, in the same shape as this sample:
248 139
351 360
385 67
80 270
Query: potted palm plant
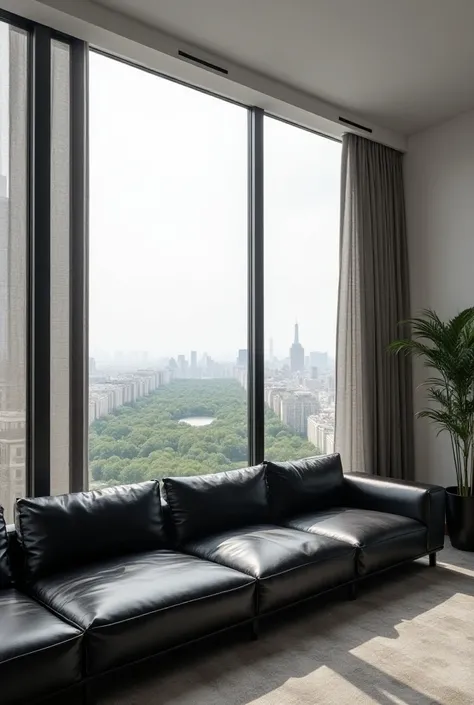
447 350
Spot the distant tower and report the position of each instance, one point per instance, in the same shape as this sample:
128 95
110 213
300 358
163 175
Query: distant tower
270 349
182 365
297 353
242 357
172 364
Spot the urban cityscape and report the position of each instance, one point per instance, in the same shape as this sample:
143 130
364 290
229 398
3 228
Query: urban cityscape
190 416
300 390
187 416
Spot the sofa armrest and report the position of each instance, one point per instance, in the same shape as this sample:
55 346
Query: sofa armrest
425 503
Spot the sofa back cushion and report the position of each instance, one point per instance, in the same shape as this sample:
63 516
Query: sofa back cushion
207 504
5 573
57 533
304 485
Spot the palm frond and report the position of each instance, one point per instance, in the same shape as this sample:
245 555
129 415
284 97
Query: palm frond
448 348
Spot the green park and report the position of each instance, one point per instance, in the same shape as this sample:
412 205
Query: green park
149 440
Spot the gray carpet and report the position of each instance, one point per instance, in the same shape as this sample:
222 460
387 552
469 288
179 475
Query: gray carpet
407 640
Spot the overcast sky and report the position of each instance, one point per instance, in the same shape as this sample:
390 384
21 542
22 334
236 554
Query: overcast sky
168 222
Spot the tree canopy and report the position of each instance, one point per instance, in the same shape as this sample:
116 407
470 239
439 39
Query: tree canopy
144 440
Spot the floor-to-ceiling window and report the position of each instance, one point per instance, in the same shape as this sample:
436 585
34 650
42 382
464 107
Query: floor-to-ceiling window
179 245
167 278
13 262
42 211
301 256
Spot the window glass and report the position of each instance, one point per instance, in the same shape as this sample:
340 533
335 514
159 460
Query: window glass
168 278
60 166
13 229
301 190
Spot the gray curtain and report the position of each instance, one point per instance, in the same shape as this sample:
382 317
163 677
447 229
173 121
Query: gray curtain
374 405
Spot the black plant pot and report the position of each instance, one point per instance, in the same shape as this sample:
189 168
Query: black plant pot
460 519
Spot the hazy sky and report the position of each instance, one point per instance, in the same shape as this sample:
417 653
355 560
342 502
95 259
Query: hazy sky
168 222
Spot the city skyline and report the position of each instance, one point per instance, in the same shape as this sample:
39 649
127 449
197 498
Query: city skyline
192 356
300 408
299 390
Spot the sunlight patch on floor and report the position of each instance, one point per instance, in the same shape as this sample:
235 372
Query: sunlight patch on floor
393 698
457 569
445 632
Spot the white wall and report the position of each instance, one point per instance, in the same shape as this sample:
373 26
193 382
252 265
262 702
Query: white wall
148 46
439 179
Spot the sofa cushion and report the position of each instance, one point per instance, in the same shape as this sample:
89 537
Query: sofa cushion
205 504
39 653
5 573
76 529
381 539
289 565
137 606
304 485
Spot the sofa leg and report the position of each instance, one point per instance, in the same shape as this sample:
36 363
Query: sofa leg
255 629
352 591
432 560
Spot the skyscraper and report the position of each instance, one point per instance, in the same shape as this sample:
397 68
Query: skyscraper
182 365
242 358
193 363
297 353
296 407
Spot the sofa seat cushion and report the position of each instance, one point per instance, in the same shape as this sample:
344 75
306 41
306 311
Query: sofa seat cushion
139 605
289 565
39 653
381 539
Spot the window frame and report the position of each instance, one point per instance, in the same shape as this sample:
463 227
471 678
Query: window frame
38 259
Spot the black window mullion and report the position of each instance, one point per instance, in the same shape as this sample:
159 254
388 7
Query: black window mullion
78 314
39 314
16 20
255 376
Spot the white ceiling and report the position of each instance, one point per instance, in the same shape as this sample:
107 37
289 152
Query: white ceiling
403 64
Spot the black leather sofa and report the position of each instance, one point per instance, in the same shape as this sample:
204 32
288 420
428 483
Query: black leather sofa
40 653
107 578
